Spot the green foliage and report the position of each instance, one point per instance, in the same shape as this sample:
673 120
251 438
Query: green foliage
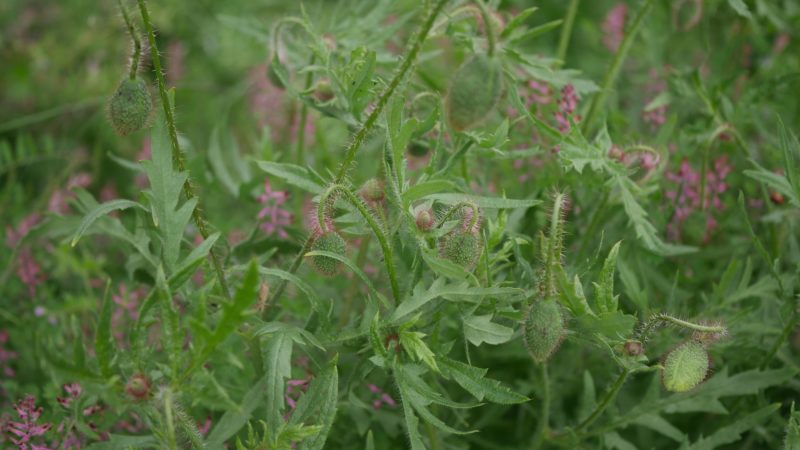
474 92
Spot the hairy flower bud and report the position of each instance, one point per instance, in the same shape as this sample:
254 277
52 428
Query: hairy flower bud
474 92
373 191
685 366
328 241
138 387
424 219
461 247
632 348
129 108
543 328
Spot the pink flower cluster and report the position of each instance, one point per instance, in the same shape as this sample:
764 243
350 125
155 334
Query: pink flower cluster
687 197
25 431
127 303
6 356
28 270
274 217
657 116
566 108
614 26
382 398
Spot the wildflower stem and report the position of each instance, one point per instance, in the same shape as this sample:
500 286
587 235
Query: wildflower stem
137 44
488 26
616 64
566 32
544 416
376 230
411 55
177 155
659 319
609 397
301 129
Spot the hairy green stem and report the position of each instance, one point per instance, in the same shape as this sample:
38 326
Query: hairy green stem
177 153
455 208
787 330
488 26
544 417
326 201
616 64
609 397
373 117
660 319
566 32
137 44
301 129
554 244
409 59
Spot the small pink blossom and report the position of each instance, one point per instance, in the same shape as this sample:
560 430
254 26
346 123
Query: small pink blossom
27 428
73 391
614 26
686 199
382 398
566 108
275 218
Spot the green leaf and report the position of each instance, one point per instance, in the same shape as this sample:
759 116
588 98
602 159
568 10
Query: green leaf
480 329
524 38
426 188
353 268
412 343
733 432
318 406
278 366
420 404
604 291
484 202
234 419
103 342
792 440
118 441
454 292
775 182
294 279
474 381
517 21
294 175
100 211
186 268
741 8
412 423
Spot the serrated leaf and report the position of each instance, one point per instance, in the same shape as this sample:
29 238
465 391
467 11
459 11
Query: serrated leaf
741 8
103 342
484 202
186 268
480 329
474 381
792 440
604 290
733 432
412 343
100 211
234 419
278 366
318 406
292 174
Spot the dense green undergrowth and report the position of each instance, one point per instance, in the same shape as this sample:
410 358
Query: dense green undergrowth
435 224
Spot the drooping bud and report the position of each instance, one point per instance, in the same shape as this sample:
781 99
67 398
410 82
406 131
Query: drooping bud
424 219
461 247
272 72
685 366
543 328
138 387
474 92
129 108
632 348
373 191
328 241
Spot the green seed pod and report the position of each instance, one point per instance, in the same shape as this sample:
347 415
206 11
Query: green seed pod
373 191
474 92
461 247
130 106
328 241
424 219
685 367
544 329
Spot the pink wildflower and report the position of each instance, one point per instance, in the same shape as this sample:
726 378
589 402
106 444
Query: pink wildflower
27 429
73 391
657 116
614 26
687 198
382 398
276 217
566 108
6 355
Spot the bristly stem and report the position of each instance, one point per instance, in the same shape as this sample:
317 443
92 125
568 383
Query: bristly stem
177 154
544 417
616 64
301 128
137 44
488 26
659 319
566 32
365 129
388 258
409 59
609 397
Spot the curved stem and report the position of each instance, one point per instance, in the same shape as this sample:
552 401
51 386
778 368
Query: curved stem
177 154
658 319
616 64
376 230
137 44
455 208
488 25
566 32
301 129
544 418
610 395
362 133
